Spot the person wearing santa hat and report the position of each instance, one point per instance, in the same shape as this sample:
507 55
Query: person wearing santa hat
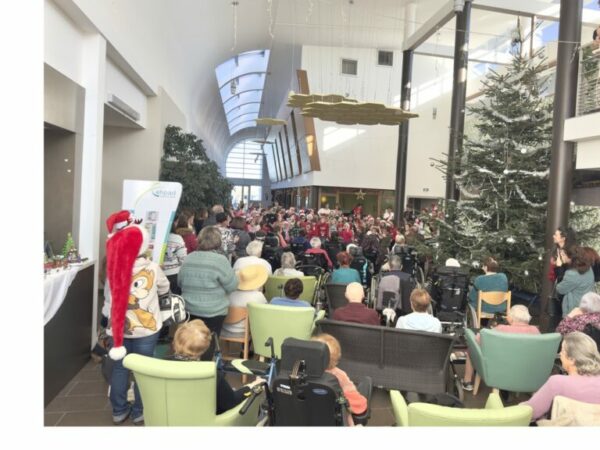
134 321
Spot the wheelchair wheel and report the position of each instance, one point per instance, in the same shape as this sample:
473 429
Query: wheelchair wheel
459 392
419 277
373 291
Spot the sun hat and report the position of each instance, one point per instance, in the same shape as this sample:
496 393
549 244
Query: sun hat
252 277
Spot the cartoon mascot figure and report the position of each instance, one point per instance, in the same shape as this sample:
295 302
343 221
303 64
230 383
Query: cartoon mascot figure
126 241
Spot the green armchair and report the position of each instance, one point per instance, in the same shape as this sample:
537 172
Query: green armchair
274 287
177 393
279 323
513 362
428 415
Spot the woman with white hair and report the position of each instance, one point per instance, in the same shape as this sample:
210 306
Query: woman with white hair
518 318
254 251
288 266
316 249
587 312
580 359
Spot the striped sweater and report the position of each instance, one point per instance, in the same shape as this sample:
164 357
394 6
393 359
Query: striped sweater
206 279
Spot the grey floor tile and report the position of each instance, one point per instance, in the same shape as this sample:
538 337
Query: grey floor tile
380 398
64 391
51 419
78 403
381 417
89 419
88 388
94 374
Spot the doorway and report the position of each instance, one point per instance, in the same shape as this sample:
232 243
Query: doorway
246 194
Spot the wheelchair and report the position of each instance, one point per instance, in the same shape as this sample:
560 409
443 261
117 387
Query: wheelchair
449 291
303 394
396 299
298 390
363 265
410 263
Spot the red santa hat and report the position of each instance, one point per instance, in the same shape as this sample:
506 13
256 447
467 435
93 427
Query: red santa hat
126 241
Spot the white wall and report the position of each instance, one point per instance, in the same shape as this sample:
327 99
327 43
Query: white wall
365 156
119 84
63 43
585 131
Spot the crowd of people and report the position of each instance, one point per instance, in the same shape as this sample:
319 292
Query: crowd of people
216 259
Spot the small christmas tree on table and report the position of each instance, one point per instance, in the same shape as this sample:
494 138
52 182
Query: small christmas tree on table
70 244
69 252
503 176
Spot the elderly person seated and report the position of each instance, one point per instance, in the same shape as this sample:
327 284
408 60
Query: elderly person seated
390 281
292 289
518 318
249 290
345 274
580 359
587 312
316 249
288 266
420 319
355 311
491 280
254 251
192 340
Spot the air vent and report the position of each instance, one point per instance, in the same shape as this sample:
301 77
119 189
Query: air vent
123 107
385 58
349 66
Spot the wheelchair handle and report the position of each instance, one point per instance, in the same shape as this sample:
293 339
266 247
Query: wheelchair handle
256 391
269 343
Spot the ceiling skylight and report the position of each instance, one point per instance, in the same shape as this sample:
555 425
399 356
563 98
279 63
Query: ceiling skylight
241 83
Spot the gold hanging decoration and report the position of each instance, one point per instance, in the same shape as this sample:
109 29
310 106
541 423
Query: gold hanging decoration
347 111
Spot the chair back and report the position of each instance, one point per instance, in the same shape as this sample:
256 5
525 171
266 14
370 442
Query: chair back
182 393
279 323
336 296
406 360
429 415
517 362
236 314
274 287
315 259
494 298
304 394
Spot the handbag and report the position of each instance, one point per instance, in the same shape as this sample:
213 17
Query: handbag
172 309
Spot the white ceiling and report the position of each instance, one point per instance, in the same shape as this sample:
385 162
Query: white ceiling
188 39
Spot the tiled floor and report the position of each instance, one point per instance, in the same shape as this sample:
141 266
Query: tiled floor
84 401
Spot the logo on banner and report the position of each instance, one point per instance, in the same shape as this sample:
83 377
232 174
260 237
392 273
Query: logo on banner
164 193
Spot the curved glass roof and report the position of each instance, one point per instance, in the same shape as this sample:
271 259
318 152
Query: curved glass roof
241 82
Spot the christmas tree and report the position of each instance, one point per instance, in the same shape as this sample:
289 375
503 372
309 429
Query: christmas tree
69 244
502 176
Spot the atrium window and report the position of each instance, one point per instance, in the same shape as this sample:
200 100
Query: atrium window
245 160
241 82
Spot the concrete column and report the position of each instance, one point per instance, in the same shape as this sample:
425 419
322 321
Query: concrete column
459 95
94 82
561 167
407 60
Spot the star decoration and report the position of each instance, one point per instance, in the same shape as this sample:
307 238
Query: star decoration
360 195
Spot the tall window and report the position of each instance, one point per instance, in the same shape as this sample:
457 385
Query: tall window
245 160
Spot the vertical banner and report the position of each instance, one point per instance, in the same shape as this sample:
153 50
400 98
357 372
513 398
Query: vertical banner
155 202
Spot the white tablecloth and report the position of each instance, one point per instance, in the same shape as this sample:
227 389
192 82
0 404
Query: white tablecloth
56 286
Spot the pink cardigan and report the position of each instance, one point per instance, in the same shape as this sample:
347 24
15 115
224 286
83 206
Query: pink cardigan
584 388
